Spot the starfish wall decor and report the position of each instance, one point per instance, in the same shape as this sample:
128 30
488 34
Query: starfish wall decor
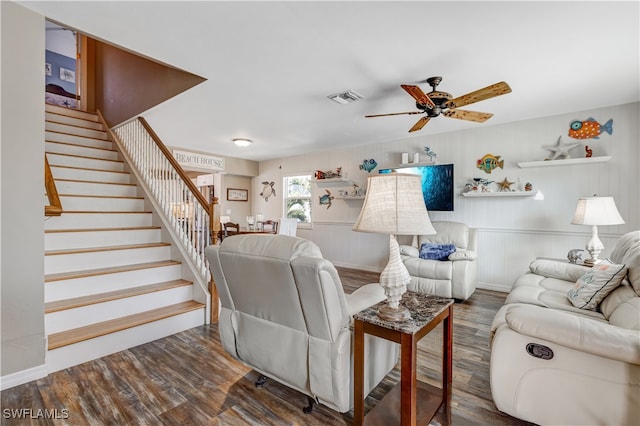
505 185
561 149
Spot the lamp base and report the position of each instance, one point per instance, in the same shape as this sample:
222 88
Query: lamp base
398 314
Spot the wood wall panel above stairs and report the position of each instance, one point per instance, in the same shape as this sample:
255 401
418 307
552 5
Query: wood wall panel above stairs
110 281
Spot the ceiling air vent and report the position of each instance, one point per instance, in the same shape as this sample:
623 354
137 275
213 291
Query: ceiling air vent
345 97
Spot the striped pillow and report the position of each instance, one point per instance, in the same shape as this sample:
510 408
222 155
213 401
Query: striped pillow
595 285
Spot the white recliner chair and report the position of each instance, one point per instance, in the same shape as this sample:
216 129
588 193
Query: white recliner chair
455 276
284 314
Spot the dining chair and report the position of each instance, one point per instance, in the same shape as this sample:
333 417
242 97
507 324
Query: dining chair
231 228
270 225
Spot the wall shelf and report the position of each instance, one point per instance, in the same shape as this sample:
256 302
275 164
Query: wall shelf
407 165
334 180
501 194
565 162
348 197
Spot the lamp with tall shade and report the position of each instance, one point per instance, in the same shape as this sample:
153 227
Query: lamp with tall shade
394 205
596 211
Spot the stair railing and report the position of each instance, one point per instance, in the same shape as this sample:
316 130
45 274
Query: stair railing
54 208
194 220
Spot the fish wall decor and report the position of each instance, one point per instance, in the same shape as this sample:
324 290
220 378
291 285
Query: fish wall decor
489 162
589 128
368 165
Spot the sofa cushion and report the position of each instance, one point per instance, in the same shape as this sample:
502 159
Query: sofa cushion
627 252
436 251
447 233
434 269
538 290
590 289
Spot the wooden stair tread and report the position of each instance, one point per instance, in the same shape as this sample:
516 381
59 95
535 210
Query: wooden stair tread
110 270
105 212
76 302
70 124
105 248
58 340
136 228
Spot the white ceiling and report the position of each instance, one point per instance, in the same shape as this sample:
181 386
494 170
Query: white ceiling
271 65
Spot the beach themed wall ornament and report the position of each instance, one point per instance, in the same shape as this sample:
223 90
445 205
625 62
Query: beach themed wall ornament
368 165
329 174
505 185
325 199
561 149
430 153
589 128
267 190
489 162
589 151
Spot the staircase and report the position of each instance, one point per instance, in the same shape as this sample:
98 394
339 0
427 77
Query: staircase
110 280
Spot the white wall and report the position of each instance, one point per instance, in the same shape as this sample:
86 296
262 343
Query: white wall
512 231
22 182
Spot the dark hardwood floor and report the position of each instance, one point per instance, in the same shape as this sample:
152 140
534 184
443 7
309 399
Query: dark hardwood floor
187 379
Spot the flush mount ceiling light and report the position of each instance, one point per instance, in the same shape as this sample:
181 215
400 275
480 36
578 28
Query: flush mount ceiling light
242 142
345 97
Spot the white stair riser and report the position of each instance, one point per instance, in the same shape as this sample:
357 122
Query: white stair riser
95 284
71 112
88 350
69 319
91 188
79 141
102 204
91 175
92 238
55 264
59 118
74 130
56 159
65 148
98 220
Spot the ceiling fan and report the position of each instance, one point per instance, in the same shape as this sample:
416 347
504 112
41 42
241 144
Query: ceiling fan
436 102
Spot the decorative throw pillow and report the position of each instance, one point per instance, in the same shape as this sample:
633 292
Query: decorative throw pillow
595 285
436 251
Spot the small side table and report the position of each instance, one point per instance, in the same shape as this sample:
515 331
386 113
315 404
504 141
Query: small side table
410 402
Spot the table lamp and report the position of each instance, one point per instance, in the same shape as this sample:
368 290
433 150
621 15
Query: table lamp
596 211
394 205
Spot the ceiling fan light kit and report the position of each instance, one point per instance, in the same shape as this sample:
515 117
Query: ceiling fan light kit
437 102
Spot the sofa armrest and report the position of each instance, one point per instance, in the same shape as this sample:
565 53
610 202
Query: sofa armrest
463 255
576 332
409 251
364 297
560 270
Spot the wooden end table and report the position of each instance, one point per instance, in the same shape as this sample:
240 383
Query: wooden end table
411 402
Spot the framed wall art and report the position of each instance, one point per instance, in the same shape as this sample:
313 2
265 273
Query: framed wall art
234 194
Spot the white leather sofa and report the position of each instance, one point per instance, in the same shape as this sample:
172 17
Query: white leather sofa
455 277
284 314
553 363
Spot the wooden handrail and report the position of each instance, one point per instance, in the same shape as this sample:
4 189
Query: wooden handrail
55 205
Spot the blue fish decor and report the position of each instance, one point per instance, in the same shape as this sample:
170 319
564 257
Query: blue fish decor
368 165
589 129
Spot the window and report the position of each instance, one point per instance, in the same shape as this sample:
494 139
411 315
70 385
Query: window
297 198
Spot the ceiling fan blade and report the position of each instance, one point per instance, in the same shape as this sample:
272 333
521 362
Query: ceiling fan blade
394 113
478 117
418 95
420 124
488 92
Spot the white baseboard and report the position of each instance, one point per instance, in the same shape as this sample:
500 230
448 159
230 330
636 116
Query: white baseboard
493 287
22 377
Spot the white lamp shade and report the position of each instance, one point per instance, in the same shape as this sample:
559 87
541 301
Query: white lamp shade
394 205
597 211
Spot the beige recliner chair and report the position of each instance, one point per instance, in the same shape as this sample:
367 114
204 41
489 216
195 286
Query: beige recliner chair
454 276
284 314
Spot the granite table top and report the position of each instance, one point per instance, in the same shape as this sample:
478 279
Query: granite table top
422 307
